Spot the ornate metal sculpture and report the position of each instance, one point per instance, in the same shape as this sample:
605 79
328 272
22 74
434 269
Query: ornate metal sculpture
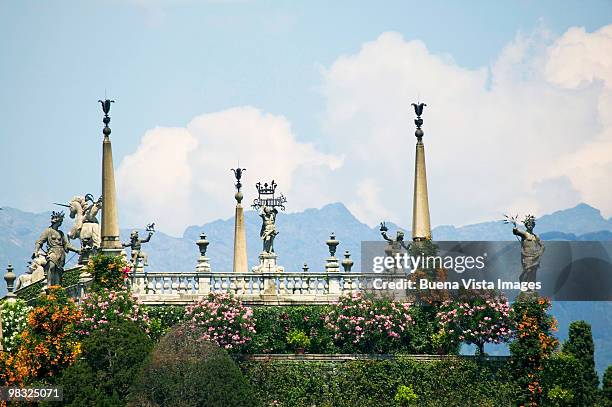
532 247
266 197
238 174
57 246
135 245
418 110
266 203
106 105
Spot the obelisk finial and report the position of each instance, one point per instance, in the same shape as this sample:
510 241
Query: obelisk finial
418 110
421 229
106 105
110 223
240 247
238 174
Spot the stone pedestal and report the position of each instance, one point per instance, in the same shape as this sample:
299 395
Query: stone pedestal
332 265
203 265
267 264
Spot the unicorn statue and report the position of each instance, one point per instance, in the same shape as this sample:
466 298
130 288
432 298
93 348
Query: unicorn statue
83 209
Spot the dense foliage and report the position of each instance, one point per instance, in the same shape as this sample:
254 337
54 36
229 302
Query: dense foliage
112 358
275 323
580 346
222 319
606 391
14 320
47 345
533 345
477 321
103 307
110 272
163 317
185 370
365 325
376 383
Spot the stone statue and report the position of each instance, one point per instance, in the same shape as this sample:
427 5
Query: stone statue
57 246
532 248
268 228
396 244
84 211
34 273
135 244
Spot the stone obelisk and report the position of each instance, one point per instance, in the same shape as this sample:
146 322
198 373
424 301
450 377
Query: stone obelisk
240 247
421 229
111 244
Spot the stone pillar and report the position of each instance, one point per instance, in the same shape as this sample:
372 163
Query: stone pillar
240 246
332 265
10 278
203 265
421 229
110 224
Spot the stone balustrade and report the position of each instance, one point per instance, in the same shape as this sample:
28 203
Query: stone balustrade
252 288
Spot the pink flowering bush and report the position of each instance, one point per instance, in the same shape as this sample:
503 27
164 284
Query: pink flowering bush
477 321
105 306
221 319
363 324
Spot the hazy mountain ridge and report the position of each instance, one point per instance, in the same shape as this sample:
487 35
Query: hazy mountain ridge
302 239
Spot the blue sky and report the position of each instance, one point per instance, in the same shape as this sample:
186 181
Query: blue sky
167 63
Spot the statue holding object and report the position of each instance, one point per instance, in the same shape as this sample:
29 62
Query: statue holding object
57 245
532 247
135 245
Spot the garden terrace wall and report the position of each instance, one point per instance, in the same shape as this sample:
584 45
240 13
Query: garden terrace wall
366 380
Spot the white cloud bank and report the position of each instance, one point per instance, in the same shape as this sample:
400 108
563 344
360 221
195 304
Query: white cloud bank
181 176
532 132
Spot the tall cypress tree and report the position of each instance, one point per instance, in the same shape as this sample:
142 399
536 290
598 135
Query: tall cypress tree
580 345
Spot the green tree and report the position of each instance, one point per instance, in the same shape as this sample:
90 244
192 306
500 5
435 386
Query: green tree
533 345
607 387
184 370
580 345
111 360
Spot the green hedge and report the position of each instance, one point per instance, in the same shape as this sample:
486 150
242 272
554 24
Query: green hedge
375 383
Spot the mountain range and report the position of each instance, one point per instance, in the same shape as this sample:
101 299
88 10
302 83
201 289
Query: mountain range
302 239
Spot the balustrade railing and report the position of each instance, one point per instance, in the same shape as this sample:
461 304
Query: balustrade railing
282 287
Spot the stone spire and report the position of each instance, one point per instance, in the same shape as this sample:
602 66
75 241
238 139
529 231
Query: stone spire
421 229
110 223
240 247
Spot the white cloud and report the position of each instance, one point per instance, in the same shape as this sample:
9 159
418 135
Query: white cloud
532 132
181 176
516 136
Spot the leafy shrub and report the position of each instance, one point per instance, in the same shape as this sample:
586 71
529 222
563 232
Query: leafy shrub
184 370
362 324
110 272
163 317
14 319
560 375
274 323
580 345
533 345
375 383
405 396
298 339
112 358
48 343
222 319
559 396
479 321
103 307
